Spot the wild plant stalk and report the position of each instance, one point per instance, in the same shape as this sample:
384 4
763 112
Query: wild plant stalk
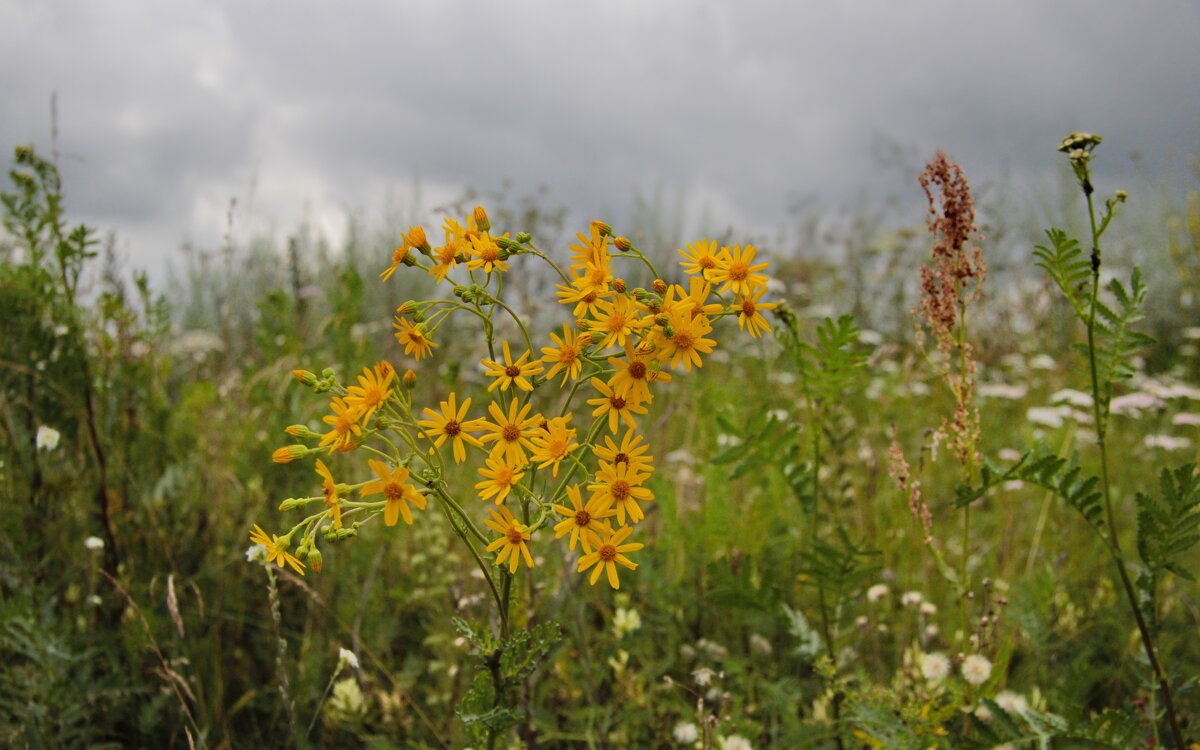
1078 147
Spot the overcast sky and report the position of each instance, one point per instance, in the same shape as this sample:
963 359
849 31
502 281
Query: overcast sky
304 109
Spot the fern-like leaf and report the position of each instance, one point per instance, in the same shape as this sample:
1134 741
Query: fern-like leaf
1070 269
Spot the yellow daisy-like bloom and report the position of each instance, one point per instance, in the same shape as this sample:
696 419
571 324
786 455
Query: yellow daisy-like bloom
610 553
583 522
396 489
452 423
553 443
344 421
511 432
499 479
737 271
447 258
748 313
414 337
275 553
696 298
512 541
584 299
684 341
621 485
510 372
414 238
485 254
617 407
592 250
567 358
617 321
635 373
703 258
631 452
372 390
331 494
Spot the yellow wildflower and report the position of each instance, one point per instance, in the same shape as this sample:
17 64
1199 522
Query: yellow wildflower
621 484
485 254
276 553
331 494
396 489
631 452
553 443
452 423
566 358
512 541
617 407
372 390
737 271
635 373
608 554
682 340
748 308
703 258
511 432
618 321
415 338
583 522
500 478
344 421
510 372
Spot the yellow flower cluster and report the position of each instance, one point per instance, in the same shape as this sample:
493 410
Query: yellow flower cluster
620 347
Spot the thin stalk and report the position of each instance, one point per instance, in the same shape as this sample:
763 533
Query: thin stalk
1113 543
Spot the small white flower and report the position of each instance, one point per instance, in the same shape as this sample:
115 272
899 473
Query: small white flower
347 658
1042 362
1009 454
93 542
685 733
983 712
976 669
877 592
736 742
1189 420
929 609
912 598
1166 442
1002 390
1132 404
725 440
715 650
1047 416
256 553
935 667
1014 703
1072 397
702 676
47 438
95 600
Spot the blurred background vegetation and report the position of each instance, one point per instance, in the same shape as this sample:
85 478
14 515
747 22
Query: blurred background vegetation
130 615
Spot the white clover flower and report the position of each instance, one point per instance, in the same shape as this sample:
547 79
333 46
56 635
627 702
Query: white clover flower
935 667
736 742
702 676
912 598
877 592
976 669
347 658
47 438
1013 703
93 542
685 733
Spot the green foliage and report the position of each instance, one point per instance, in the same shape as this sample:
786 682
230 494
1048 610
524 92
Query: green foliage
1167 528
1042 469
1069 268
1116 343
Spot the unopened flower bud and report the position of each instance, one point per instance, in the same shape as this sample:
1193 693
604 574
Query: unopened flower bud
622 243
1122 196
662 319
289 453
603 228
409 379
524 238
481 219
416 238
301 431
293 502
585 338
315 560
304 376
327 373
618 285
659 286
409 260
669 331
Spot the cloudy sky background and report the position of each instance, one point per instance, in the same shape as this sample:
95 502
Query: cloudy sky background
306 110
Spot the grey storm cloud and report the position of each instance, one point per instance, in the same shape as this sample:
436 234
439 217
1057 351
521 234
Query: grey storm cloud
306 109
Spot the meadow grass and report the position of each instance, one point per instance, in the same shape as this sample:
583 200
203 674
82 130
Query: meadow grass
787 595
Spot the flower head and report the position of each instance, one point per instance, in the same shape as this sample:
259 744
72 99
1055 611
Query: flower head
553 443
512 541
396 489
976 669
608 554
749 312
935 667
414 337
617 407
344 422
452 423
583 522
620 485
499 478
509 372
372 391
737 271
276 549
47 438
566 358
512 433
702 258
